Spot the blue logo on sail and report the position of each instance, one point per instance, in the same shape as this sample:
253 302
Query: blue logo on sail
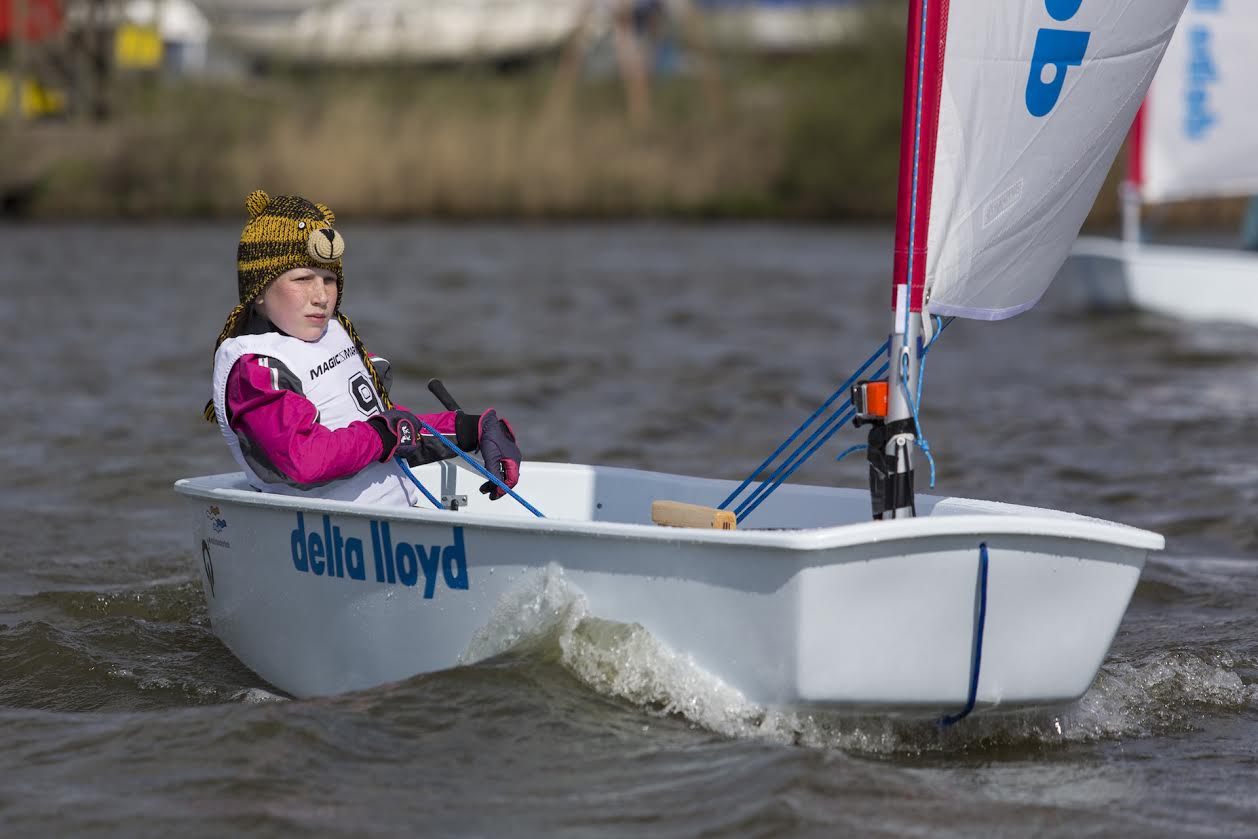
1056 51
1203 74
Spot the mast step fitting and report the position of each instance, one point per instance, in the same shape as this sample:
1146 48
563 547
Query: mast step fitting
889 488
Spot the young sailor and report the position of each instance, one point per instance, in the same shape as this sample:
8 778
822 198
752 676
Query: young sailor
303 407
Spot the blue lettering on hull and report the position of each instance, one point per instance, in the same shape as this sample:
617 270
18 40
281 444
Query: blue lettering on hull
325 551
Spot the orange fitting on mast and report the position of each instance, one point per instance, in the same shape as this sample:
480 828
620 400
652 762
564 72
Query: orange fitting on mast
870 399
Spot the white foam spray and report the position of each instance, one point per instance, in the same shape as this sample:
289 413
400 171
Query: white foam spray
546 614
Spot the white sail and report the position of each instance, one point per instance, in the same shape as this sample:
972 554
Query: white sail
1035 100
1201 116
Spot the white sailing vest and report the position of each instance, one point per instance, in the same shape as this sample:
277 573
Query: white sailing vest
331 375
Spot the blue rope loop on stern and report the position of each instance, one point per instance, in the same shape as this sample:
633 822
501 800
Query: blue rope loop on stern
976 655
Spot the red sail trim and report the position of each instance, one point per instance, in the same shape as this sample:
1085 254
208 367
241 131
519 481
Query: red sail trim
1135 148
919 131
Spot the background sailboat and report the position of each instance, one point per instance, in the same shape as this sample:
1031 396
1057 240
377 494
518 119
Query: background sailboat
402 31
1195 138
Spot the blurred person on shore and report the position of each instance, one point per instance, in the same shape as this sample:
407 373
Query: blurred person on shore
301 404
1249 229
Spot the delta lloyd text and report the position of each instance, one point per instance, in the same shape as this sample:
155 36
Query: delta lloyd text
327 552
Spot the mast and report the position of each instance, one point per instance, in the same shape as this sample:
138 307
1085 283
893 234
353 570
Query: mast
891 443
1129 191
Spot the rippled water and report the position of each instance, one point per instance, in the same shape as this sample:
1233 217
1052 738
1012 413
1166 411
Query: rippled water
665 347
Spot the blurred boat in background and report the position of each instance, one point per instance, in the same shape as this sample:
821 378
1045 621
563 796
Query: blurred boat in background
1194 138
387 31
447 31
781 26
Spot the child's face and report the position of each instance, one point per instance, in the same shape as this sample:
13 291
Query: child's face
300 302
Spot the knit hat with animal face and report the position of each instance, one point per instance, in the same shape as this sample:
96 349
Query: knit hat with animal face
283 233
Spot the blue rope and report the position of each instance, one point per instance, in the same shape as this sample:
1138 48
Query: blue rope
792 464
917 152
479 468
851 449
886 345
415 481
797 458
976 656
914 404
825 432
765 492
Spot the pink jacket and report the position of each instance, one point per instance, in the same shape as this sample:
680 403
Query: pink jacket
283 426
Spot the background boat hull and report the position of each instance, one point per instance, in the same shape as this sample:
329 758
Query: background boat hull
1197 284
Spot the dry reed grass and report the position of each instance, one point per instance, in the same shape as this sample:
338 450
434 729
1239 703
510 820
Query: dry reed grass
816 137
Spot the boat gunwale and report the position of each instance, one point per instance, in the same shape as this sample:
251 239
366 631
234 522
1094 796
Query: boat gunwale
1060 524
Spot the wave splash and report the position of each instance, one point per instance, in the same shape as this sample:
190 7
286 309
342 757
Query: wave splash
547 616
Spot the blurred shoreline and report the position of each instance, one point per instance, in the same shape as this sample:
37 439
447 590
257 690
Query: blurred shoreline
812 137
465 143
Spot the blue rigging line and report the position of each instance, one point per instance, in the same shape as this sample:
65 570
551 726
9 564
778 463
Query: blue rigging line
828 429
886 345
915 403
917 157
799 456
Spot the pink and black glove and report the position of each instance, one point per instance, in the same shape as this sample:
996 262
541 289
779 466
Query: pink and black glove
499 451
402 435
399 432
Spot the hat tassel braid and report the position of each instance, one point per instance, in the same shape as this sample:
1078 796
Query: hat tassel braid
229 329
366 357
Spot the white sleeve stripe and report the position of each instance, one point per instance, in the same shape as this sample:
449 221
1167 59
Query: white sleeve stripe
275 374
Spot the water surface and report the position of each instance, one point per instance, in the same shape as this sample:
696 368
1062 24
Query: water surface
687 349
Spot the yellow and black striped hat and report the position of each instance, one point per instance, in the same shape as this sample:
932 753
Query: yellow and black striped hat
283 233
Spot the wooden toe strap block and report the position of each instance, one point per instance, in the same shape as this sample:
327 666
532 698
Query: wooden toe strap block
677 514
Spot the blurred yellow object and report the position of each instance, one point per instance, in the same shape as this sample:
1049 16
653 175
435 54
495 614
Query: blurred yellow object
137 47
37 100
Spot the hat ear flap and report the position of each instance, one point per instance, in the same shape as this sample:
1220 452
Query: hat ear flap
256 203
328 215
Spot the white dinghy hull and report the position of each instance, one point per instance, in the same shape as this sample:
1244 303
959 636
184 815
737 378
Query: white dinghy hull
1194 284
830 610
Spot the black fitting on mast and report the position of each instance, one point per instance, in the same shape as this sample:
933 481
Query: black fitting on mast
890 480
